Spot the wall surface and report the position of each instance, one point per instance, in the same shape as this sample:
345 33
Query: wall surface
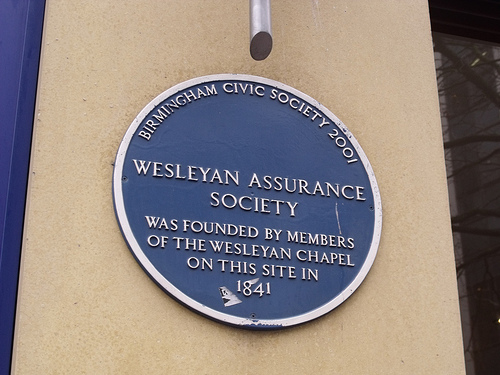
86 306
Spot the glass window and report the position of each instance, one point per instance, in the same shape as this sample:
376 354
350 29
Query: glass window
468 74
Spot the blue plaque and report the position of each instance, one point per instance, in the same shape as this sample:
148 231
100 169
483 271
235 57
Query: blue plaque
247 201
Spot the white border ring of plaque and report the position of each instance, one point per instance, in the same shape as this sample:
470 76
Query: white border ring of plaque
247 201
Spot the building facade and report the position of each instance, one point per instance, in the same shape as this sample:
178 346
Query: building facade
80 303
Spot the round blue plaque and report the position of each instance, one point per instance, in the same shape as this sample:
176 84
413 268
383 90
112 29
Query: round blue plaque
247 201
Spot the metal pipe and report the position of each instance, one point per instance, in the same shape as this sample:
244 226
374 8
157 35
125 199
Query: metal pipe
261 39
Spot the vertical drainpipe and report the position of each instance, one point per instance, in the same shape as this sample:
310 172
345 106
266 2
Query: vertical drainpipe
261 39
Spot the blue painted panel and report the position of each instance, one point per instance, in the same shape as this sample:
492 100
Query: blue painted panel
20 37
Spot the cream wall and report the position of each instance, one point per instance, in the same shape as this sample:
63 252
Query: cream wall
87 307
